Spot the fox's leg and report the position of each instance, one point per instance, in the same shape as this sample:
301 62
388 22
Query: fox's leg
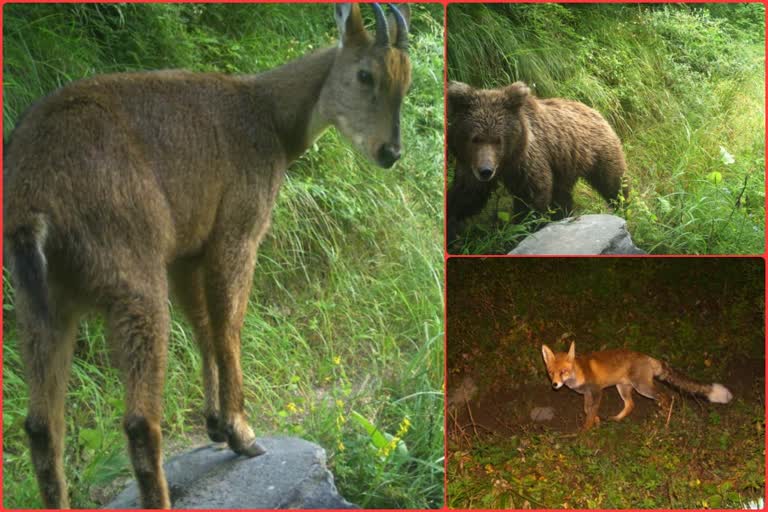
591 405
648 388
625 390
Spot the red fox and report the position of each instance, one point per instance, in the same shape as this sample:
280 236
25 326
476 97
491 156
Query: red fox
590 373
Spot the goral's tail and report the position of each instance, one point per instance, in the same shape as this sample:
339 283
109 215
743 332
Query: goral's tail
24 248
714 392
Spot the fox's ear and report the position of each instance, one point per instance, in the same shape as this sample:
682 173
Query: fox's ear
572 351
549 356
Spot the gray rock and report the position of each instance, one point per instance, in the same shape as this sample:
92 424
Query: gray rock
292 474
585 234
540 414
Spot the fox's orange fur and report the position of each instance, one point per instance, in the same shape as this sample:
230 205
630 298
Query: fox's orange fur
590 373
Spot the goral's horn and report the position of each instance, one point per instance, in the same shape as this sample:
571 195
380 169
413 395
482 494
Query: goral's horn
382 33
401 41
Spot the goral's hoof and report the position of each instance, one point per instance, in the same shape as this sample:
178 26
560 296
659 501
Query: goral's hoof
241 439
215 433
253 449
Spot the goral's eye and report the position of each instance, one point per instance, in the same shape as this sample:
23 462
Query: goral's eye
365 77
476 139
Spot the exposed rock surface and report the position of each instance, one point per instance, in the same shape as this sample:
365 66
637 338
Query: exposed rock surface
585 234
540 414
292 474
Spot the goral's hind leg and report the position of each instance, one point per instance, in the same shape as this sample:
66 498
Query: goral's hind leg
138 322
47 352
189 289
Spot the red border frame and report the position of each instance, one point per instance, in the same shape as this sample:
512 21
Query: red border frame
446 255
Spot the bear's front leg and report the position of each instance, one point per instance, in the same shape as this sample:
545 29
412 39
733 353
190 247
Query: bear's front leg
531 185
466 197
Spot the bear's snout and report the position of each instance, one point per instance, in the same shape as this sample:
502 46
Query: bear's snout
485 173
486 161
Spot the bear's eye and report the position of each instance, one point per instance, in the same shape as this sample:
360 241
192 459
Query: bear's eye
365 77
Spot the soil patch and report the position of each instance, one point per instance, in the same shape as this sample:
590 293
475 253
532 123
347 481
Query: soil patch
510 412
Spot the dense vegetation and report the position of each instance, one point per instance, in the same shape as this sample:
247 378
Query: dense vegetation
683 85
704 317
346 312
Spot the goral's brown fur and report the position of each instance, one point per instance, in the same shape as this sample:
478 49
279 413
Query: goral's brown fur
122 187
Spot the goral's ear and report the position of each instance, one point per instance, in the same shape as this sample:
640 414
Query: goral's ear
405 11
515 95
350 23
396 37
460 98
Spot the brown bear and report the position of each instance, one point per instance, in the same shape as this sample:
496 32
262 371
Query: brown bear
537 148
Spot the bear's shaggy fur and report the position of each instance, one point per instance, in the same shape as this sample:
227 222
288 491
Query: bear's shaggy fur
536 148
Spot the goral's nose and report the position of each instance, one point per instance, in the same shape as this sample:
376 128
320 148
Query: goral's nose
388 154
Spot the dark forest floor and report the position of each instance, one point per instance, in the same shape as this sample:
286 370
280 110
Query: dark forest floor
709 455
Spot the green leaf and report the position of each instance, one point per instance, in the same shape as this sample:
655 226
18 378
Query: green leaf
714 501
715 177
378 438
90 438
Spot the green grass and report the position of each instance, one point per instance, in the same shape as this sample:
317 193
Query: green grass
677 82
346 310
703 316
629 464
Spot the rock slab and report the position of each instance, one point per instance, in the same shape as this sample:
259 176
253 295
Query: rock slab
292 474
585 234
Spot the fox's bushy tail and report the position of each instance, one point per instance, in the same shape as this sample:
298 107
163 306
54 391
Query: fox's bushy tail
715 392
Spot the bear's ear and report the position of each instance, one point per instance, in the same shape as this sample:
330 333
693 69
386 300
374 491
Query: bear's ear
460 97
515 95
